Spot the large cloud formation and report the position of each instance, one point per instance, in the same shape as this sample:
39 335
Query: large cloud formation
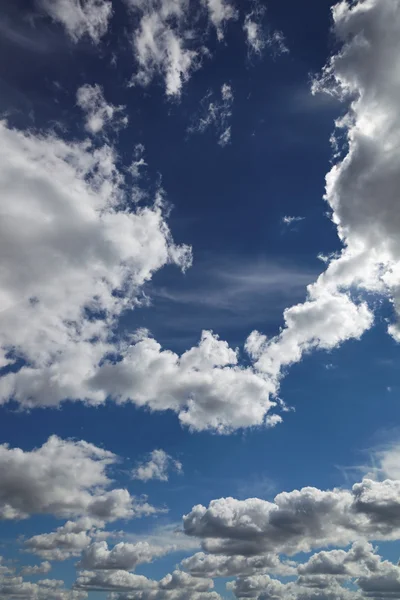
76 251
361 190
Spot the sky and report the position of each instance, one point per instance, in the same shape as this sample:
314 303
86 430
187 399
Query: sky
199 300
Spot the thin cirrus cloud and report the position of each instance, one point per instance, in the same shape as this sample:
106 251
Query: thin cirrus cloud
216 114
259 36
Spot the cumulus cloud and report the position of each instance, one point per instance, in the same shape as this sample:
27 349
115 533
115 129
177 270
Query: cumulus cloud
216 114
99 114
123 556
79 17
298 521
357 574
361 190
67 541
157 467
63 478
67 217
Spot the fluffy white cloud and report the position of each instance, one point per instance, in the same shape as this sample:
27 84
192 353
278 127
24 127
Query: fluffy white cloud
99 114
205 386
122 556
156 467
79 17
361 190
298 521
66 218
67 541
216 114
63 478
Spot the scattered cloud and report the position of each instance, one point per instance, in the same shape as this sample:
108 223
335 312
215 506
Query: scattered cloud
99 114
216 114
290 220
157 467
258 35
220 11
79 17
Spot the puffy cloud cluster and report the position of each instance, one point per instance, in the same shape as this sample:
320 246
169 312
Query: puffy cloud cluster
99 114
122 556
216 114
247 539
157 467
129 586
298 521
12 586
356 574
66 479
65 542
79 17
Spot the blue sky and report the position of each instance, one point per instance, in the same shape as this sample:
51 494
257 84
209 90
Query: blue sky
199 300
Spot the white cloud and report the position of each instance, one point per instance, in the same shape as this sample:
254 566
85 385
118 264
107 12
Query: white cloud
63 478
220 11
216 114
79 17
45 589
157 467
257 35
210 565
298 521
123 556
361 190
99 114
162 43
43 568
66 217
287 220
177 585
67 541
